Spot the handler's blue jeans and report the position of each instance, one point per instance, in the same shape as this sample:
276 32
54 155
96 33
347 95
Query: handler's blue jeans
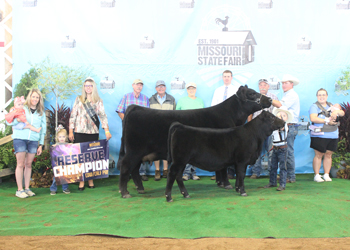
190 170
279 156
143 168
54 186
256 169
292 133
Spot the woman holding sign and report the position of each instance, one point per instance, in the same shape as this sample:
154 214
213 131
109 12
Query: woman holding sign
84 118
27 143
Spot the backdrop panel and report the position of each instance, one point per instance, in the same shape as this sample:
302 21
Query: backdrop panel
184 40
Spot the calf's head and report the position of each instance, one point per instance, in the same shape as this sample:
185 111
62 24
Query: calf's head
270 119
253 101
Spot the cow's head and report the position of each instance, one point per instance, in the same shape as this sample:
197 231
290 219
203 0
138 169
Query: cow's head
255 100
273 122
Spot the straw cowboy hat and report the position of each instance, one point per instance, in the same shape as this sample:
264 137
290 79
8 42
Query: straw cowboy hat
283 109
290 78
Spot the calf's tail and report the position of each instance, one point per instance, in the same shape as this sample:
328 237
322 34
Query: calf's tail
174 126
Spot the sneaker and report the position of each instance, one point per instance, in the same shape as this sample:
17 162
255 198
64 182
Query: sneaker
144 177
213 178
289 181
53 193
165 174
318 178
326 177
195 178
270 185
29 192
66 191
157 175
21 194
280 188
185 177
254 176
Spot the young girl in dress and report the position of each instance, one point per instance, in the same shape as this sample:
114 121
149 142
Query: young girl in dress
61 139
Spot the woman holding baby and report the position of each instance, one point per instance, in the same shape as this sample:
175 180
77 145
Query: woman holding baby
28 139
324 133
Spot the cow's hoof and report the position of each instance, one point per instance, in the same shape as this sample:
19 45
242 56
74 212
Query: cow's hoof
237 190
228 187
187 196
141 191
170 200
220 185
125 196
244 194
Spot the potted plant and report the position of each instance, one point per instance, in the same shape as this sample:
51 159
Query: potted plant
341 158
7 156
42 172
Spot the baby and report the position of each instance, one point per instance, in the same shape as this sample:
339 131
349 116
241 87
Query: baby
333 108
17 112
279 152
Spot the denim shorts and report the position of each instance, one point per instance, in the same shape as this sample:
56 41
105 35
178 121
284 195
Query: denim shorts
25 146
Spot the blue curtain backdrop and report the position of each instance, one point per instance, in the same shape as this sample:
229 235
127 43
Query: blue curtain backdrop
184 40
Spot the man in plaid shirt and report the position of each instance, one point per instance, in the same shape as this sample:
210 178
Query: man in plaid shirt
136 98
264 86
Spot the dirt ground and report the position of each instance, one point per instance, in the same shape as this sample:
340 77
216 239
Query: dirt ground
105 242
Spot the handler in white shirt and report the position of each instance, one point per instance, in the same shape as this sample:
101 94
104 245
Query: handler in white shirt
220 95
290 99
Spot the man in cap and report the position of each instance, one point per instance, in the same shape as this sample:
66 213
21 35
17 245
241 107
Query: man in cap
221 94
137 98
290 100
191 101
264 86
164 101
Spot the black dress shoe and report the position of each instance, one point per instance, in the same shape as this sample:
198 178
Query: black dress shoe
91 186
81 189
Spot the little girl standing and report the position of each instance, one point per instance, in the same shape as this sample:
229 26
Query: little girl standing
61 139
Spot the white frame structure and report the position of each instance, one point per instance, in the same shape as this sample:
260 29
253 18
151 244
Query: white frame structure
6 61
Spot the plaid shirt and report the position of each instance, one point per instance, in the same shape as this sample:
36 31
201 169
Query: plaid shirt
273 97
130 99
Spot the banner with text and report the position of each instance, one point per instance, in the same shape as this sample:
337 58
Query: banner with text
80 161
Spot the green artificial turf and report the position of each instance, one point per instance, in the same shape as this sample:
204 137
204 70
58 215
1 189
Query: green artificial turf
304 209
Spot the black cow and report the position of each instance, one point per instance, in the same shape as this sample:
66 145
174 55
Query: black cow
145 131
215 149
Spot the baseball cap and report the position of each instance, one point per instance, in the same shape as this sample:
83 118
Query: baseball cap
137 81
263 80
191 84
160 82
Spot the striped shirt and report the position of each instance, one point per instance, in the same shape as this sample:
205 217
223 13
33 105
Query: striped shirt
130 99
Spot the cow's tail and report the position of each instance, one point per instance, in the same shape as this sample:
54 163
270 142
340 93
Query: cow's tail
174 126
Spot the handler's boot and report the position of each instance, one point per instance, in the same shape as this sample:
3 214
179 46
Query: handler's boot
157 175
165 173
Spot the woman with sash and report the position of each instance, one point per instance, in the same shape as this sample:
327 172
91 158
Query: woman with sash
84 118
324 133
